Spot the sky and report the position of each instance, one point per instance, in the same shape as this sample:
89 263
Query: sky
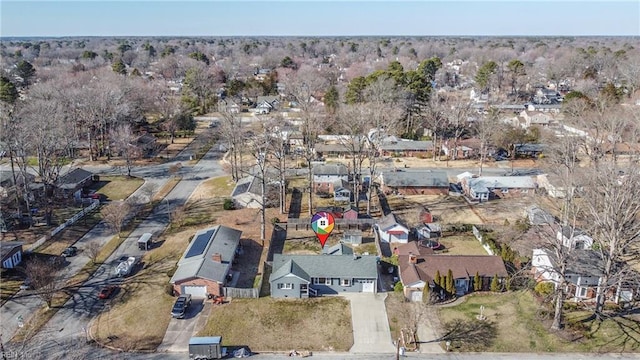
319 18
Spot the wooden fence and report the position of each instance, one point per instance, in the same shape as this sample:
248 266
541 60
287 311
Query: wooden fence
250 293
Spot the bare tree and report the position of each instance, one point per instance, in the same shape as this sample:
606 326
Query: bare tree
44 279
93 250
457 112
115 214
279 149
125 142
149 190
353 126
485 128
231 132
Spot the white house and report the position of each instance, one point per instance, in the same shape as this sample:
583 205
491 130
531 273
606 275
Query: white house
574 238
391 231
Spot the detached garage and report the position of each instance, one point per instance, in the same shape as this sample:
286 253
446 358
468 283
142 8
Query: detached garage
205 265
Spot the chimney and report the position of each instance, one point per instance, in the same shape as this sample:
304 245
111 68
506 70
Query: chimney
413 259
217 257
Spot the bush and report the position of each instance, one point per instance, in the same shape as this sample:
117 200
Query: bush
169 289
228 204
495 284
398 287
275 220
544 288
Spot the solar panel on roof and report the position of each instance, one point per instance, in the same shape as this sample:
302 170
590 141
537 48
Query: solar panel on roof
199 244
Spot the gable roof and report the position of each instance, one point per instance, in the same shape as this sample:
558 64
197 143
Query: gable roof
421 178
407 145
501 182
339 266
412 247
388 221
290 267
330 169
197 262
73 178
6 247
337 249
461 266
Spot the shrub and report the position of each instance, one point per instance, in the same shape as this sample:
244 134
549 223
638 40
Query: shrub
398 287
275 220
544 288
495 284
228 204
168 288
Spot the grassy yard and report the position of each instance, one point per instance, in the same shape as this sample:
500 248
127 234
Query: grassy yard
119 187
217 187
511 325
134 321
462 245
266 324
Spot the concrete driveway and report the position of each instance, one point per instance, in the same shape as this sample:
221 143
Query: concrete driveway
371 332
179 331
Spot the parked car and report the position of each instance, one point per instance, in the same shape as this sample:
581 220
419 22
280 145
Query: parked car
181 305
106 291
70 251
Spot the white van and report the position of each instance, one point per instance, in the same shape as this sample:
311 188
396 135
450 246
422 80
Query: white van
144 243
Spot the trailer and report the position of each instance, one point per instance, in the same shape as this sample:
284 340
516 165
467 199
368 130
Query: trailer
144 242
207 347
126 265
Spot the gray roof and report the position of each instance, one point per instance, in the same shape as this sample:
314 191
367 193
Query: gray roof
289 267
407 145
538 216
421 178
7 247
388 221
197 262
569 232
339 148
337 249
502 182
330 169
585 263
73 178
339 266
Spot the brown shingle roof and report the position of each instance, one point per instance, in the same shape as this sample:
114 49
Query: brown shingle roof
462 266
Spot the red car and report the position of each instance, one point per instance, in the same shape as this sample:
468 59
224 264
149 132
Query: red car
106 291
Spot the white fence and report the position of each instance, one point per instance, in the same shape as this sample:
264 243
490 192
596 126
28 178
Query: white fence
94 204
478 236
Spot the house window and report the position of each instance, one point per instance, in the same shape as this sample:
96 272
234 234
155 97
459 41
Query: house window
322 281
285 286
345 282
583 292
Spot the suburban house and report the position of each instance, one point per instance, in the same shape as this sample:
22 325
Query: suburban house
391 231
430 182
303 276
7 183
528 150
11 254
574 238
227 105
405 148
552 185
464 149
248 191
535 118
538 216
341 149
487 187
325 177
417 267
74 181
261 74
337 249
584 271
350 212
266 104
205 266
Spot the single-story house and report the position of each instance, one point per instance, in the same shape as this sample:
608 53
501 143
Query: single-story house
303 276
535 118
417 271
326 175
7 183
391 231
205 266
343 149
529 150
482 188
414 182
583 274
574 238
464 149
403 147
248 193
11 254
552 184
72 183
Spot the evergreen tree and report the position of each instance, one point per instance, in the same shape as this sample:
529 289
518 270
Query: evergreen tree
495 285
477 285
331 99
26 71
449 284
426 293
119 68
437 279
8 91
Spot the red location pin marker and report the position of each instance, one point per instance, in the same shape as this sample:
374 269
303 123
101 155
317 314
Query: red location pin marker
322 224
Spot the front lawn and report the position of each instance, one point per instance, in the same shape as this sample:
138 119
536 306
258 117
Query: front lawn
267 324
118 187
511 325
462 245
